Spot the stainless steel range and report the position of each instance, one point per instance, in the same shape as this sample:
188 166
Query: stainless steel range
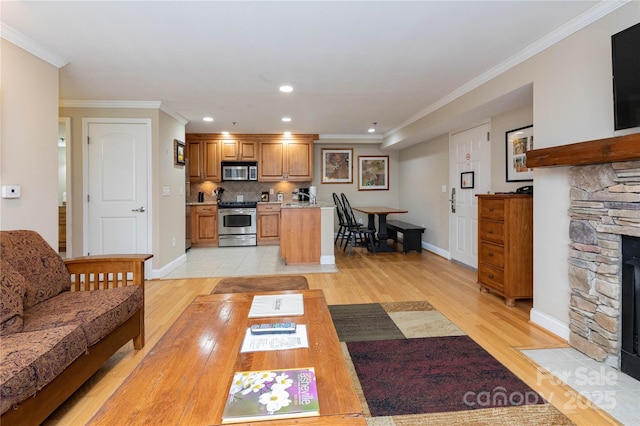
237 224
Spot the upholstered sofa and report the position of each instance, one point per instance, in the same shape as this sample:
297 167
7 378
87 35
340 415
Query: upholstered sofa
60 320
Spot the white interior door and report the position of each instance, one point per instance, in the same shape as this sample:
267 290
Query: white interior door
117 194
469 151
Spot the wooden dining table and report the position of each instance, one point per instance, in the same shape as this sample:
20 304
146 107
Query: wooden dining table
382 213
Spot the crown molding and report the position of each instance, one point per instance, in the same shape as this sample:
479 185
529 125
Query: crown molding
598 11
335 136
74 103
25 43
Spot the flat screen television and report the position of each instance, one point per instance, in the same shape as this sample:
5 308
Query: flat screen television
625 49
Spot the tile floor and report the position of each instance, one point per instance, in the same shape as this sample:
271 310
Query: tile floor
236 261
613 391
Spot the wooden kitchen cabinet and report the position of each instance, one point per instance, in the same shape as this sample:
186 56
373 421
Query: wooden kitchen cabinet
62 228
204 224
286 160
204 159
268 218
505 245
239 150
300 235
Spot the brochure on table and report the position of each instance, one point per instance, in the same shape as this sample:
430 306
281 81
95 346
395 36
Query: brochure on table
275 342
277 305
272 395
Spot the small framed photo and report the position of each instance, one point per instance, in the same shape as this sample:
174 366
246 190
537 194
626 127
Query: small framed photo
178 153
337 165
466 180
518 142
373 172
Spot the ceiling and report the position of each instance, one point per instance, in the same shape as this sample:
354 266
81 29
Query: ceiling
351 63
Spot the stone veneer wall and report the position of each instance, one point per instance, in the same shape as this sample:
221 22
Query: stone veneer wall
605 204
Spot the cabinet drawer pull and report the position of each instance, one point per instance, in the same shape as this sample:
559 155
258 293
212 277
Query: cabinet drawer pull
490 254
491 276
490 231
490 209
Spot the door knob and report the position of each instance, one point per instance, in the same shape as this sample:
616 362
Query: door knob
141 209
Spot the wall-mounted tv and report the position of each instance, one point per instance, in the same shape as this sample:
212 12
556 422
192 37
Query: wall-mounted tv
625 48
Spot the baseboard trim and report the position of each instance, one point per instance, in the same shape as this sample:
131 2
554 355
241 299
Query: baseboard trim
549 323
169 267
436 250
328 259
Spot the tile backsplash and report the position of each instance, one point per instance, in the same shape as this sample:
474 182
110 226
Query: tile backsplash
250 190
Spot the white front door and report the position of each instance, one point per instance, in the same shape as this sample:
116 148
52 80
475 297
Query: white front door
117 198
469 151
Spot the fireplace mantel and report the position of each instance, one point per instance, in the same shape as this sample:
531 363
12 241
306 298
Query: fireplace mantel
609 150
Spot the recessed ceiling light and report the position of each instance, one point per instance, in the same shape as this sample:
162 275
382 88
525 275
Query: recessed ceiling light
287 133
207 119
225 133
371 130
286 89
286 119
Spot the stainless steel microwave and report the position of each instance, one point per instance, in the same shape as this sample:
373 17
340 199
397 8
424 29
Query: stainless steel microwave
239 171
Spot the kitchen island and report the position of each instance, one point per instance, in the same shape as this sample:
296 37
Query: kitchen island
307 233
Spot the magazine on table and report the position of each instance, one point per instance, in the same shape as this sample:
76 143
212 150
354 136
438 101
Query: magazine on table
272 395
277 305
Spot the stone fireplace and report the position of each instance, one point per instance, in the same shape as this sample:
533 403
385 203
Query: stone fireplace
604 211
605 205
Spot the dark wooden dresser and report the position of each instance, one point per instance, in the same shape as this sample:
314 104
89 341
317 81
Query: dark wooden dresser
505 245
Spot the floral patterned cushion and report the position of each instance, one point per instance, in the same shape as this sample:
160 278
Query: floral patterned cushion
43 269
97 312
30 361
12 287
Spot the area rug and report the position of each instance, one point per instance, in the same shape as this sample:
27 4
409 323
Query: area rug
433 373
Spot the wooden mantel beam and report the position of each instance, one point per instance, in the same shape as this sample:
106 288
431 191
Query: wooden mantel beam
609 150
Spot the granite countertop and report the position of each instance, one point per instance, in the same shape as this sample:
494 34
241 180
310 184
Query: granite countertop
284 205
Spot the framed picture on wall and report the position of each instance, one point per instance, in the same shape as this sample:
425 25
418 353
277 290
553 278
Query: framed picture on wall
373 172
466 180
518 142
337 165
178 153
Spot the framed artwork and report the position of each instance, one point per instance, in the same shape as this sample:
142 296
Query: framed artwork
178 152
337 165
518 142
466 180
373 172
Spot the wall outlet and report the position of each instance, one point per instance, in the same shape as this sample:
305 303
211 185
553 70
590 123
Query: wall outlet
271 191
173 242
360 220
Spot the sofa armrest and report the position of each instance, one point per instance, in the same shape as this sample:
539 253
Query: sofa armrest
106 271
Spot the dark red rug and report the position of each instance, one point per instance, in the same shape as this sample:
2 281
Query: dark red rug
435 374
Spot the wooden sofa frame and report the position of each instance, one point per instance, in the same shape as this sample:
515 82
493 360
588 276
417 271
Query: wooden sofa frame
88 273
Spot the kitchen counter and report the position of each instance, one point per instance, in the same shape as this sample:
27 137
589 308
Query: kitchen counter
205 203
306 205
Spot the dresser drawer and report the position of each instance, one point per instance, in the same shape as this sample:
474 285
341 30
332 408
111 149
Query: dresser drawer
491 276
491 230
492 253
492 209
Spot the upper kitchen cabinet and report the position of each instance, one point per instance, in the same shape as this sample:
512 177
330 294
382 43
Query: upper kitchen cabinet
286 159
239 150
204 159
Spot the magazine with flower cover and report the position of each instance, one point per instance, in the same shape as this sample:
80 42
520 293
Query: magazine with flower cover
272 395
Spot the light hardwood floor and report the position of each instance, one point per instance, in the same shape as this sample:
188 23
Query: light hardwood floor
365 278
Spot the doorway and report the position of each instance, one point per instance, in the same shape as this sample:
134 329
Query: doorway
117 191
64 187
469 174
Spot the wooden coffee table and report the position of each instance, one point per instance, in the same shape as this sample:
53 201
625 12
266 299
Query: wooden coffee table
186 377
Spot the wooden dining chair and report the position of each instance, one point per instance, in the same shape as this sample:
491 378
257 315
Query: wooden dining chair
358 234
343 225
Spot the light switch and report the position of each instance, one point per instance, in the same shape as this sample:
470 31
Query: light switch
10 191
444 188
166 191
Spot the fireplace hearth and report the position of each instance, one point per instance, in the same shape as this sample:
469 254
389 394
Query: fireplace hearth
630 352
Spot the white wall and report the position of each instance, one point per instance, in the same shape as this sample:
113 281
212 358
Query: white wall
29 151
572 102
